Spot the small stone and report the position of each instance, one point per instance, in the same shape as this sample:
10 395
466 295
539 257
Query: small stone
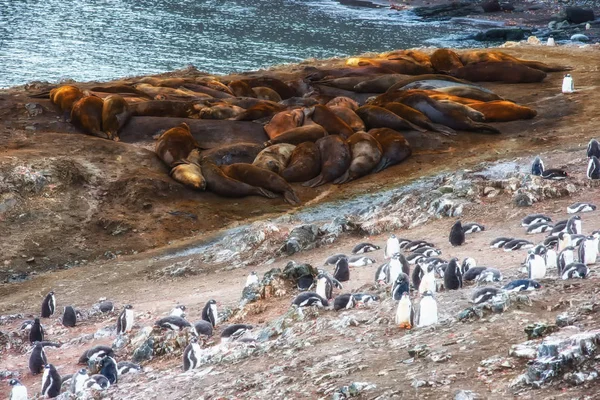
420 350
30 260
466 395
34 109
523 199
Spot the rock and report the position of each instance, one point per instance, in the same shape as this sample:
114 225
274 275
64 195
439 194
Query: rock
120 342
420 350
143 344
354 390
489 6
293 271
552 25
442 11
579 37
278 326
34 109
533 40
578 15
332 230
466 395
523 198
562 25
464 188
565 319
507 6
301 238
502 34
539 329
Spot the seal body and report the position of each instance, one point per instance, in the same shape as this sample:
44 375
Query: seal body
304 164
395 148
125 320
69 317
65 97
189 173
274 158
379 117
86 114
334 125
48 305
335 159
349 117
366 155
37 359
301 134
283 122
175 144
503 111
115 114
219 183
506 71
228 154
445 60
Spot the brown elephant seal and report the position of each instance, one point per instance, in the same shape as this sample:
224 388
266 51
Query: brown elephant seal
304 165
395 148
442 113
346 83
65 97
220 111
301 134
366 155
335 159
214 84
478 56
415 55
260 177
379 84
241 89
464 109
188 172
261 110
503 111
379 117
284 121
266 93
299 102
399 66
342 101
417 118
219 183
284 90
426 77
274 158
115 114
469 92
175 144
505 71
229 154
86 114
162 108
444 60
167 93
349 117
314 74
165 82
323 116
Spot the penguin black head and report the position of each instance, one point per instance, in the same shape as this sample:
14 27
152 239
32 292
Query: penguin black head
128 307
212 301
82 371
36 321
537 167
593 148
14 382
428 293
536 284
181 307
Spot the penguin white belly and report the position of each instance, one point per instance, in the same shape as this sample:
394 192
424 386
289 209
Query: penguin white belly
128 320
551 258
591 252
395 270
213 308
46 381
403 314
393 247
80 380
538 269
428 312
18 393
321 288
427 283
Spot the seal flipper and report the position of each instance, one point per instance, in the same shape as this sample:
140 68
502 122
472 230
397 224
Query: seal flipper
343 179
291 197
443 129
484 128
265 193
317 181
383 164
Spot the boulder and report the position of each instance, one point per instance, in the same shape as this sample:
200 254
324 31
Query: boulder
578 15
502 34
442 11
302 237
578 37
490 6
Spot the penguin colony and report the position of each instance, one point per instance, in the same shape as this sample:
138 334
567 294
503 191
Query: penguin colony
369 103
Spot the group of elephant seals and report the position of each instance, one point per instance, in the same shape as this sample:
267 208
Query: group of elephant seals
175 144
366 155
259 177
335 159
304 164
65 97
274 158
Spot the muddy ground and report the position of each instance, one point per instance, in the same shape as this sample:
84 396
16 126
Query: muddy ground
90 218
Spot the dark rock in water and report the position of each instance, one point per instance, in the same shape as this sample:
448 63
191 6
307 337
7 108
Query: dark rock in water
490 6
502 34
539 329
442 11
578 15
301 238
359 3
507 7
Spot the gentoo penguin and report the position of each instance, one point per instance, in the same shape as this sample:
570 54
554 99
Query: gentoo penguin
593 169
78 381
499 243
554 174
540 250
484 294
305 282
18 391
401 286
172 323
96 353
360 261
364 248
540 227
574 225
517 244
521 285
209 312
417 244
473 273
394 269
428 310
489 275
126 367
125 320
332 260
565 257
535 219
109 369
467 264
235 331
537 166
452 276
575 270
178 311
536 267
428 252
26 325
106 306
51 381
473 227
97 382
69 317
405 314
576 240
564 241
588 250
324 287
392 246
428 280
344 302
203 327
36 334
580 208
593 148
551 241
37 359
551 258
342 272
560 226
412 258
362 299
417 275
382 273
191 355
404 243
252 279
48 305
307 299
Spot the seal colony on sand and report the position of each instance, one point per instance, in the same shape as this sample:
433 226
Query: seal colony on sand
254 134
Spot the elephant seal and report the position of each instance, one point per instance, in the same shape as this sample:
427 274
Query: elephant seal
346 83
241 89
469 92
414 55
427 77
380 84
167 93
464 109
503 111
314 74
399 66
221 111
478 56
304 165
335 159
229 154
342 101
175 144
504 71
213 83
255 176
115 114
444 114
188 171
323 116
301 134
417 118
219 183
395 147
65 97
379 117
444 60
366 155
266 93
299 102
349 117
165 82
284 121
283 89
261 110
162 108
86 114
274 158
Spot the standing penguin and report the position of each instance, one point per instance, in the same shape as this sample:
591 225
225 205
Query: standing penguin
37 359
536 267
574 225
394 269
564 241
209 312
593 148
69 317
457 234
588 250
51 381
324 287
593 169
109 369
551 259
125 320
78 381
417 274
428 280
405 313
342 271
178 311
565 257
428 310
36 334
48 305
392 246
191 355
401 286
18 391
537 166
452 276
